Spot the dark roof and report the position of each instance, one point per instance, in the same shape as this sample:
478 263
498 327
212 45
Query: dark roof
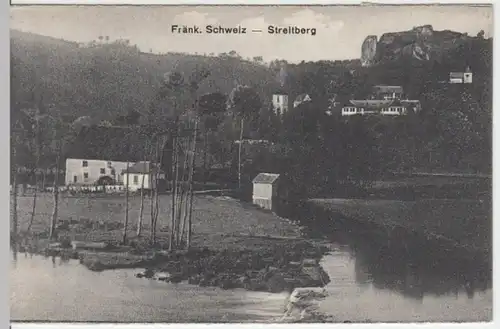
378 104
384 88
371 103
143 167
265 178
459 75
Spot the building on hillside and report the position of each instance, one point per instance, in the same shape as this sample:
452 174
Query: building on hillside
140 171
387 92
380 107
280 103
456 77
91 171
461 77
365 107
265 190
302 98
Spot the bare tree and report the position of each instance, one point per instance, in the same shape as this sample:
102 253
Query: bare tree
146 171
36 116
63 134
180 97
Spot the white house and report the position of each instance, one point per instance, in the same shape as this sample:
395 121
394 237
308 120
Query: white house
394 110
461 77
139 171
280 103
456 77
89 171
265 190
381 107
350 110
468 75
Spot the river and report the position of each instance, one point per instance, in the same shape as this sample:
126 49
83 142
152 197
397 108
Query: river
373 278
49 289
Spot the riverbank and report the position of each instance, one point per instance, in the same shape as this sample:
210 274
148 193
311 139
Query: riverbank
234 245
272 265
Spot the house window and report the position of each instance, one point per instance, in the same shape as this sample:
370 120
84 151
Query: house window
86 175
113 172
136 179
103 171
85 163
75 179
109 164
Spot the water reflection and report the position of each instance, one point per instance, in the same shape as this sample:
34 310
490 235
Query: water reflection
415 267
405 262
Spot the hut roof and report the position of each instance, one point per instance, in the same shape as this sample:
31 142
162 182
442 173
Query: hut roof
265 178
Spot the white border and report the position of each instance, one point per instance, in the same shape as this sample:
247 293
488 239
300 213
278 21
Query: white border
240 2
5 178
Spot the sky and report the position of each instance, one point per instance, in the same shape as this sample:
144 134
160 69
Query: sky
340 30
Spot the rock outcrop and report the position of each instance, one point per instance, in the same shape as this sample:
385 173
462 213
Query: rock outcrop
369 50
421 43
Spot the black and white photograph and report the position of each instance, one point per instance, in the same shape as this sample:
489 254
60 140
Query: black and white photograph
251 164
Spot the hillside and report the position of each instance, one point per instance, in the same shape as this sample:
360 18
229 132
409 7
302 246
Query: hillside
105 80
112 78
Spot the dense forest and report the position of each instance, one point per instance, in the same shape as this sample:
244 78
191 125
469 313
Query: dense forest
114 85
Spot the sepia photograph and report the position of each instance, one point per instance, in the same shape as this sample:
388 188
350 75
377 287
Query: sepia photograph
251 163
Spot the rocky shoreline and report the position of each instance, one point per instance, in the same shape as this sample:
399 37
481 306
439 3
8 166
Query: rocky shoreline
261 270
274 269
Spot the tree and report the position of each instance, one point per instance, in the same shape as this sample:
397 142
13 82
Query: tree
182 119
36 115
257 59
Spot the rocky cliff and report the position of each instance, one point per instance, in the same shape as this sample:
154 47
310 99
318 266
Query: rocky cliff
369 50
421 43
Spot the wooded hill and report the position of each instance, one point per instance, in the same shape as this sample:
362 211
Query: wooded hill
108 78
